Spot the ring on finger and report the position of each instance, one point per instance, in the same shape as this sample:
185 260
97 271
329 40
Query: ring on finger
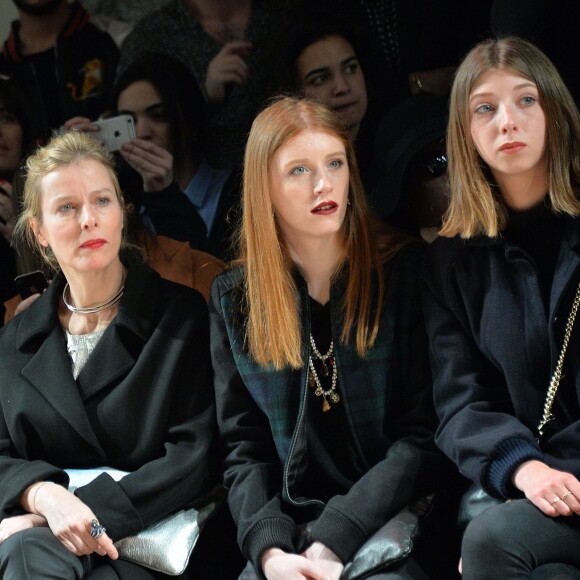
96 530
563 497
556 499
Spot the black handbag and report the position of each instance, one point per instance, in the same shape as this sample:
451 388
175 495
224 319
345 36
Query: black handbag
390 545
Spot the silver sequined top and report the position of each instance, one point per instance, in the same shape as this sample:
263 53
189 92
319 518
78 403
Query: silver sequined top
80 347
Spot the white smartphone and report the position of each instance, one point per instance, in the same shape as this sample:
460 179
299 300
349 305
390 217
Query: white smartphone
115 131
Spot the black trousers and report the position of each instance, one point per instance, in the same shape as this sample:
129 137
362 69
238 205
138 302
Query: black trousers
408 570
36 554
516 540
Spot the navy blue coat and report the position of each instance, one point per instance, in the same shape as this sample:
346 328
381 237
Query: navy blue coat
493 349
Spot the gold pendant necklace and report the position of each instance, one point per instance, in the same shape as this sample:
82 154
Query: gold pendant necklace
331 395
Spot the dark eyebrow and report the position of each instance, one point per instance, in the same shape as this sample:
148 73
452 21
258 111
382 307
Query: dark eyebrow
349 60
316 72
147 110
154 106
325 69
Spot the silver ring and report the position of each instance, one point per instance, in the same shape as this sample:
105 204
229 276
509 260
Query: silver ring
566 495
556 499
96 530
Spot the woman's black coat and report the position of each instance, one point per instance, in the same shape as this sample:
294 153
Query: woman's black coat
143 403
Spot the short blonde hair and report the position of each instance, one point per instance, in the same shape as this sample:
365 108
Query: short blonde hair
66 149
477 206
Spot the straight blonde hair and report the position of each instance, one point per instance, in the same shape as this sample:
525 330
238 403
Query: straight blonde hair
477 206
273 330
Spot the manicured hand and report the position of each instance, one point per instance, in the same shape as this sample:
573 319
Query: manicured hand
26 303
556 493
81 124
325 558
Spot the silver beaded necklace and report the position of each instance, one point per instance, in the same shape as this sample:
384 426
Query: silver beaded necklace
314 380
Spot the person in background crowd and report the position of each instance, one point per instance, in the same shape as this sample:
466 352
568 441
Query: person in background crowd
65 63
325 58
221 43
16 140
502 289
180 194
412 192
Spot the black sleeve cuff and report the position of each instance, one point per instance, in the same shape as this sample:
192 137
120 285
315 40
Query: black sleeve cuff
508 455
268 533
338 533
111 506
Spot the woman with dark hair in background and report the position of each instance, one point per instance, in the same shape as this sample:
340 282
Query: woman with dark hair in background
326 58
182 196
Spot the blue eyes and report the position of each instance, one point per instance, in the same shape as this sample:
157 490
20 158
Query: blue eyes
301 169
69 207
483 109
525 101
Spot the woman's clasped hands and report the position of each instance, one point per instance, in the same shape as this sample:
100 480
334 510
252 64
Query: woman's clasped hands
317 562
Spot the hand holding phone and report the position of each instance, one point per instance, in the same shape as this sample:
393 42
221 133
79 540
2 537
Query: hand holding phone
31 283
115 131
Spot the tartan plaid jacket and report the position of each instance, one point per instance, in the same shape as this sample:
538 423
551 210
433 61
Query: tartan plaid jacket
261 414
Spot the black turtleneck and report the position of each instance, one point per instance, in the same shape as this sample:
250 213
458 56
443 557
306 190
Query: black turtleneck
538 231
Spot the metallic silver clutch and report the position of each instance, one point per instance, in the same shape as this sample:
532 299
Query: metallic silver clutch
166 546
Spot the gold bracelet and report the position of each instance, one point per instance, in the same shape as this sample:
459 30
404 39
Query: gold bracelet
32 504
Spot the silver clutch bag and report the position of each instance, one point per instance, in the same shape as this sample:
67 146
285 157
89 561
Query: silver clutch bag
166 546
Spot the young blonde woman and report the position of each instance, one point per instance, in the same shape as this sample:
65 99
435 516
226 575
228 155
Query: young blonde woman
323 391
501 296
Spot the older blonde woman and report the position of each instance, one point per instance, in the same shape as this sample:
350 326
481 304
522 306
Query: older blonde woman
109 367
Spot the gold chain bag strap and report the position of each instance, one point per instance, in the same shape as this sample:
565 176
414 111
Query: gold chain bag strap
555 382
